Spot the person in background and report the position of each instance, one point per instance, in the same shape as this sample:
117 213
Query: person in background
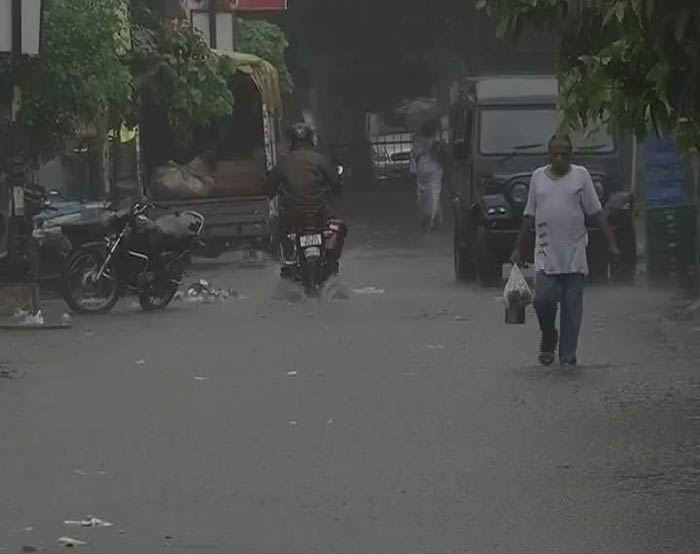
562 196
427 165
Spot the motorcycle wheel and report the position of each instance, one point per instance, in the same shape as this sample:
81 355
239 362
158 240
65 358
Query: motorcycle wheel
82 294
312 277
162 296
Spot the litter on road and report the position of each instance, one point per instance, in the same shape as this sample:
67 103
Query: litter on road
435 346
24 320
292 373
369 291
84 473
89 521
70 542
141 362
203 291
200 379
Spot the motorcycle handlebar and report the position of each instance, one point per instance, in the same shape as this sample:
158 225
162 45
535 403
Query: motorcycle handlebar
141 207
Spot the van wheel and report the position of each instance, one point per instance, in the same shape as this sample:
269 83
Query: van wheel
464 268
625 271
488 270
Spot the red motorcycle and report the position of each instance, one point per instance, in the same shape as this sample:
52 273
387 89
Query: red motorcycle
311 250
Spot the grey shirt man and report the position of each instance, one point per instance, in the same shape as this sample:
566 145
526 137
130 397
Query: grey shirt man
559 207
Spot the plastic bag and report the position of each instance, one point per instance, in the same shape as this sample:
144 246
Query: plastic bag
517 296
517 291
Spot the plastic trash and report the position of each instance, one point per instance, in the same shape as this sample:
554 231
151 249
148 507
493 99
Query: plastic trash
517 296
84 473
70 542
369 291
28 319
20 315
89 521
203 291
435 346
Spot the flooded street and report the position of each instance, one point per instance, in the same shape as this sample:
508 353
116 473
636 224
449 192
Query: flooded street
403 416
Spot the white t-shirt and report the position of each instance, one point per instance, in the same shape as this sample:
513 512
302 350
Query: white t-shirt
560 207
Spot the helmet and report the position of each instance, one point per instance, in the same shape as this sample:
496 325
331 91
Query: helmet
301 134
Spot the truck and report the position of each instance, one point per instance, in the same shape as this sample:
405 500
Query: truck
500 127
225 182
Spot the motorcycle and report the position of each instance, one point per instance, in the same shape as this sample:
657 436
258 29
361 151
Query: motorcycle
128 251
310 249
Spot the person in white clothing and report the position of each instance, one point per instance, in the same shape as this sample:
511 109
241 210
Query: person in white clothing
426 165
562 196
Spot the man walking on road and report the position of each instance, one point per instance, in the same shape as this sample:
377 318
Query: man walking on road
561 196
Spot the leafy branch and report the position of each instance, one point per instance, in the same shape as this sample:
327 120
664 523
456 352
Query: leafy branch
636 59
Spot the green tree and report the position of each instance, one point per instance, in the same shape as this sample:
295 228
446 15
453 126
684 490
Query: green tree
80 79
636 59
177 74
266 40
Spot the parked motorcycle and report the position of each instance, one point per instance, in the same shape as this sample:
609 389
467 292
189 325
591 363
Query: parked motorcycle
128 251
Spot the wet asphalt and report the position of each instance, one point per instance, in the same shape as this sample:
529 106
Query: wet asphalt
399 414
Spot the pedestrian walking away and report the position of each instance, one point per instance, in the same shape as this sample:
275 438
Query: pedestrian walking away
427 166
561 197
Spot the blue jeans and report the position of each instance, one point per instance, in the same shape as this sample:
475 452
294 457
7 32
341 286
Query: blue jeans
565 290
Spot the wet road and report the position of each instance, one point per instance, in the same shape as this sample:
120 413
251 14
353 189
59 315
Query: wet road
406 420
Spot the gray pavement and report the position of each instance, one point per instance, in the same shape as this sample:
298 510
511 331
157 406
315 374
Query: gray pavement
410 420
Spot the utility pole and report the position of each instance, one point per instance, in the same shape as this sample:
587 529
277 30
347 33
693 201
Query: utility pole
212 23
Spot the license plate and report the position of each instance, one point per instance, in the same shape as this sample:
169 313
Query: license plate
310 240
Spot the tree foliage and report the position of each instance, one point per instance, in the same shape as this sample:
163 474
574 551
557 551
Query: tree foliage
109 61
176 73
268 41
636 59
80 79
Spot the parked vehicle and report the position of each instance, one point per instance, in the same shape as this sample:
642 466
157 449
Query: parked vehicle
223 177
499 131
50 247
391 156
127 251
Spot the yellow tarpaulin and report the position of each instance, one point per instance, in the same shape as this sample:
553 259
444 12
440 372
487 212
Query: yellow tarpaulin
263 74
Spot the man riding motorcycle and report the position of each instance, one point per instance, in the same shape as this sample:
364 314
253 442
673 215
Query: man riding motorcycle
305 182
